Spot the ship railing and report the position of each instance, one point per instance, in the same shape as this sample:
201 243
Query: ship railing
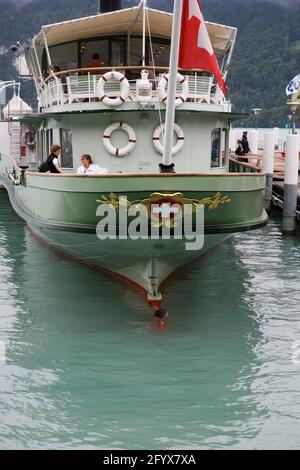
81 85
242 167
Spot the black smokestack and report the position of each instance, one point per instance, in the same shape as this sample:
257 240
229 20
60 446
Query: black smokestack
110 5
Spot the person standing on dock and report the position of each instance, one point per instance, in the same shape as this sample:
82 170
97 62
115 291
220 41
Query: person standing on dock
245 143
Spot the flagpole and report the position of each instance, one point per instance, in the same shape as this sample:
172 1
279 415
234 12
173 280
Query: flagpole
144 33
167 166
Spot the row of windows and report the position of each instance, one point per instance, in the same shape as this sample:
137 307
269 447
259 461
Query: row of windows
110 52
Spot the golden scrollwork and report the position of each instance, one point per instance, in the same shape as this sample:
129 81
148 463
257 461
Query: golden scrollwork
174 204
211 202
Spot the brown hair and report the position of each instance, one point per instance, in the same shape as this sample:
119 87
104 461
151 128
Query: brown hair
87 157
54 148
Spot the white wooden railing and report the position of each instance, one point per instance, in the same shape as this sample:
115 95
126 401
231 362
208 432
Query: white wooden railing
76 88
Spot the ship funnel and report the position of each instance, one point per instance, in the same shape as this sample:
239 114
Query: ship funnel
110 5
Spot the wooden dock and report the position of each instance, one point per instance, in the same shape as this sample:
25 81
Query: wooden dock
278 183
255 162
278 194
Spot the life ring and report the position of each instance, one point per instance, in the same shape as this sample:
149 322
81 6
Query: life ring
162 86
30 140
119 152
124 89
157 143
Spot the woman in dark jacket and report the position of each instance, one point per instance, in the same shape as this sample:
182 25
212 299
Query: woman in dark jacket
245 143
52 163
240 152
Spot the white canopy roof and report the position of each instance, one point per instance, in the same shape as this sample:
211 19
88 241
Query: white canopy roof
127 21
16 107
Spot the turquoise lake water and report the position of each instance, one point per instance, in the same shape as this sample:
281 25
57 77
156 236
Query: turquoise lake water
84 366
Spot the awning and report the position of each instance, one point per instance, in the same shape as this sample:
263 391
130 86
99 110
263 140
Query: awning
124 21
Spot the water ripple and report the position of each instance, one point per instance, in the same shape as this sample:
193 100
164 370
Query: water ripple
85 366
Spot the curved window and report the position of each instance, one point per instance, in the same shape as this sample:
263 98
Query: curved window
108 51
90 49
161 53
64 56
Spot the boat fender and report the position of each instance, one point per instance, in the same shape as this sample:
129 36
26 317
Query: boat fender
162 89
119 152
124 89
157 135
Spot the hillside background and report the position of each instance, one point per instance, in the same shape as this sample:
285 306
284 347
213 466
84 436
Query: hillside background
266 58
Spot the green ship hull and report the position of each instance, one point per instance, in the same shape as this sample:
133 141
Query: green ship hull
62 210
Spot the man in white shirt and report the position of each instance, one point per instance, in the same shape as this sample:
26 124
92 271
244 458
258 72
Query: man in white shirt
88 168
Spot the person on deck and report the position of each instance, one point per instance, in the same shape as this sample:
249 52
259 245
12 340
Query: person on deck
88 168
94 63
240 152
52 162
245 143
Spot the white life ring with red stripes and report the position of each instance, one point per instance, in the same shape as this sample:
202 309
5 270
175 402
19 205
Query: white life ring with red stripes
124 89
157 135
119 152
162 89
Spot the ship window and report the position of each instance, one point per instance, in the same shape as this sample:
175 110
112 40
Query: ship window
88 50
136 51
49 139
161 53
64 56
218 150
117 56
66 148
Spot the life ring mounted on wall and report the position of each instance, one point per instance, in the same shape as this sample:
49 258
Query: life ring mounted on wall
30 139
124 89
162 89
157 136
115 151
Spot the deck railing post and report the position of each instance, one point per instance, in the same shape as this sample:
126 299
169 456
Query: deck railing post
290 185
89 86
268 168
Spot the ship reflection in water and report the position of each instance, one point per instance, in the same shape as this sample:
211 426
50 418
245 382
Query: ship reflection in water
85 366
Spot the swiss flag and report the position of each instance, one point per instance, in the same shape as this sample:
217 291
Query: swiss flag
196 51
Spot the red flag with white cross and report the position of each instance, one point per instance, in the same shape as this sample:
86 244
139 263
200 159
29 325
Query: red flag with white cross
196 51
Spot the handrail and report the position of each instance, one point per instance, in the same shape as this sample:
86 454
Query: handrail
236 163
140 175
134 68
68 86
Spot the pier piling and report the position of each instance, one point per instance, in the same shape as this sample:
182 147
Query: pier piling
290 185
253 141
268 168
276 137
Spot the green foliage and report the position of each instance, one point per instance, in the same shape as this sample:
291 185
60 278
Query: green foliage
266 58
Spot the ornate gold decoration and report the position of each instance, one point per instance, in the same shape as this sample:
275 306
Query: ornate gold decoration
173 200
